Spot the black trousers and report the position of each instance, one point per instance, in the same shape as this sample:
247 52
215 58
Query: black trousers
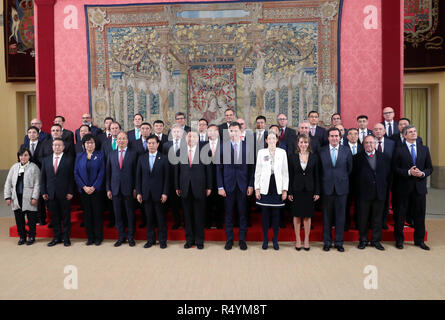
370 210
121 205
60 209
41 212
415 203
154 211
93 215
269 213
238 198
194 212
348 219
334 205
174 202
215 209
21 223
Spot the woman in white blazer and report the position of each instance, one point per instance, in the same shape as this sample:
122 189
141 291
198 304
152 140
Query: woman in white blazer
22 189
271 185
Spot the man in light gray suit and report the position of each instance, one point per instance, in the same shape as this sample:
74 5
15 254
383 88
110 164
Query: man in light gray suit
336 166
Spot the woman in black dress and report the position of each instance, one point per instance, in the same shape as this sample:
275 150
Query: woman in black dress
304 187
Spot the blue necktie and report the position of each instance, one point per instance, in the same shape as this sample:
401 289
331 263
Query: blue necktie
137 134
152 160
413 153
145 144
334 156
354 151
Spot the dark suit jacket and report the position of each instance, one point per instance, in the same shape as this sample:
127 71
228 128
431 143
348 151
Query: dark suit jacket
121 180
163 140
151 185
335 178
399 143
68 136
95 131
304 180
60 184
47 149
395 128
197 177
359 147
388 148
229 175
78 147
42 137
369 133
221 128
96 178
321 134
369 184
35 158
138 147
402 162
314 144
131 134
107 147
290 138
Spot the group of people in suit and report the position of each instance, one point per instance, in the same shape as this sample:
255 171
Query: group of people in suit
216 170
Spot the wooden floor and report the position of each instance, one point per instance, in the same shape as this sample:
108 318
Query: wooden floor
105 272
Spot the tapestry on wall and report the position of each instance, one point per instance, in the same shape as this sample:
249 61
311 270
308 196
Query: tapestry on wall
254 57
18 29
424 35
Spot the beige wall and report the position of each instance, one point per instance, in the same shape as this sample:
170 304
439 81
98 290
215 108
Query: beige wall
436 82
12 124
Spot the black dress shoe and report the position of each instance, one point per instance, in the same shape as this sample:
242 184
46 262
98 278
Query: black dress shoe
200 246
89 242
43 223
265 245
326 247
423 246
118 243
340 248
282 225
142 225
361 245
82 224
219 226
98 242
276 246
149 244
242 245
50 225
176 226
131 242
30 241
111 224
54 242
229 245
163 245
385 227
21 242
378 246
67 242
187 245
399 245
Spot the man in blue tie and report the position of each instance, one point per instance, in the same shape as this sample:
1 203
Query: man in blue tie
336 166
152 187
411 165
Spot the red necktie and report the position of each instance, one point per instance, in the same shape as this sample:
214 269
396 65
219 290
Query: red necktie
190 158
379 148
109 135
213 149
55 165
282 134
121 158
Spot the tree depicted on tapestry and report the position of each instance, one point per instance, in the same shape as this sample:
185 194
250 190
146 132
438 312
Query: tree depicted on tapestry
204 58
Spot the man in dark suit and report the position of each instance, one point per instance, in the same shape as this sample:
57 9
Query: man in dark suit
57 187
412 165
260 135
356 148
215 203
387 146
229 116
315 129
287 136
47 145
106 133
88 120
41 134
181 121
135 134
158 128
67 135
203 125
193 183
363 131
391 126
398 138
235 182
152 187
121 188
371 172
336 119
171 149
83 130
336 166
304 129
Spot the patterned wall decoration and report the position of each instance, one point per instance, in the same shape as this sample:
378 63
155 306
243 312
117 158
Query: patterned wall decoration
254 57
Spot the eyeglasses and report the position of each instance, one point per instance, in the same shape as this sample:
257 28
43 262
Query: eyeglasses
281 119
182 118
389 112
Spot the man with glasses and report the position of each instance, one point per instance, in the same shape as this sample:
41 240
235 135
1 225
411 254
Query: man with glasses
315 130
67 135
47 146
42 135
180 120
229 115
391 126
88 120
287 136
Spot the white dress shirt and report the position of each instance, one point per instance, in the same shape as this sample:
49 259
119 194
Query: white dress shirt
356 147
382 144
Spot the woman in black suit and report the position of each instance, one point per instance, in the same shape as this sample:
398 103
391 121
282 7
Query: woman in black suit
304 187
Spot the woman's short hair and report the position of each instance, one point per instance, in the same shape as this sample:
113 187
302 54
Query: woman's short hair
21 151
88 137
306 138
276 136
